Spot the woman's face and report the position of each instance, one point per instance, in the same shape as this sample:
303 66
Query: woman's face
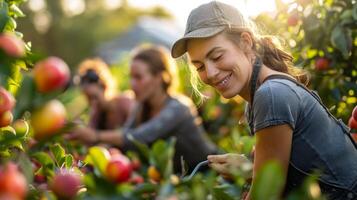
94 94
143 82
221 64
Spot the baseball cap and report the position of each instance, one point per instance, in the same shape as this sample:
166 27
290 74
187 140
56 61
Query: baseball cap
208 20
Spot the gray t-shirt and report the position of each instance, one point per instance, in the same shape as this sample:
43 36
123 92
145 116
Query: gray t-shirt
178 118
319 142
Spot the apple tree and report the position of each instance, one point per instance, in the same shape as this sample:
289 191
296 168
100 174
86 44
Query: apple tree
322 38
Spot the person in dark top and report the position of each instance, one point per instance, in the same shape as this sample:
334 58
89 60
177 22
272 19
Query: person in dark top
108 109
289 121
160 113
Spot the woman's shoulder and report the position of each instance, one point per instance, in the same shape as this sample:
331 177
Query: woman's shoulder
122 102
124 96
182 103
278 87
180 100
279 91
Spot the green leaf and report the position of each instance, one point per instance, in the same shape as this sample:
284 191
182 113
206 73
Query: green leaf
69 161
146 188
26 167
161 156
8 139
7 130
24 96
21 64
220 192
125 189
58 153
11 24
43 158
342 40
143 148
346 14
158 153
4 17
311 23
16 11
354 11
99 158
269 182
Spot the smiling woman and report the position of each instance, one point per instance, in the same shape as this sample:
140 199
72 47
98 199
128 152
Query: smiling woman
287 118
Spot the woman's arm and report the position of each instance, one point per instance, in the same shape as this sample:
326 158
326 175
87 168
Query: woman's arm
91 136
161 126
272 143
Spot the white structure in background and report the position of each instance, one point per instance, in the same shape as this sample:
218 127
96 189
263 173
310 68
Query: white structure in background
147 30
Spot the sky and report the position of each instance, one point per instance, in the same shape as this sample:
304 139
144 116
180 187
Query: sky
181 8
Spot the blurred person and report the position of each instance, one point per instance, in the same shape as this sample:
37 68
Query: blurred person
291 124
160 112
108 109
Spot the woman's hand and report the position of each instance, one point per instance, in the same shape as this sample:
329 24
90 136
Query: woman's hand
229 164
83 134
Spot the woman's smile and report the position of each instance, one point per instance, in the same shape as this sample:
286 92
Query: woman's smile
223 83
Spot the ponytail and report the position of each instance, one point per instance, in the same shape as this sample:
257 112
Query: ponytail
272 54
277 59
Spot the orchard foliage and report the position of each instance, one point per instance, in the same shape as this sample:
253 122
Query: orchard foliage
322 38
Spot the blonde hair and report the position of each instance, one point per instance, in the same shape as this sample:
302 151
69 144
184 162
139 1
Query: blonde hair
102 70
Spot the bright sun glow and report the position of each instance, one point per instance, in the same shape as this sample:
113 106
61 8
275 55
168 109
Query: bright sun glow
181 10
73 7
37 5
112 4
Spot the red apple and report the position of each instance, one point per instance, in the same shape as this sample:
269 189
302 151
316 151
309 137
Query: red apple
65 184
352 123
354 113
119 169
293 20
7 101
39 178
7 196
12 182
51 74
48 120
5 119
21 127
12 45
322 64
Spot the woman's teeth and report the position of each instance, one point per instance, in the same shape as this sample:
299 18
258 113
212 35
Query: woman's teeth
224 81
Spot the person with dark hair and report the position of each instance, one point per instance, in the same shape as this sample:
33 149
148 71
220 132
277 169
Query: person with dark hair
160 113
291 124
108 109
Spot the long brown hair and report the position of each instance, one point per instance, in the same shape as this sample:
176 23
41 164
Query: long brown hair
270 50
159 62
